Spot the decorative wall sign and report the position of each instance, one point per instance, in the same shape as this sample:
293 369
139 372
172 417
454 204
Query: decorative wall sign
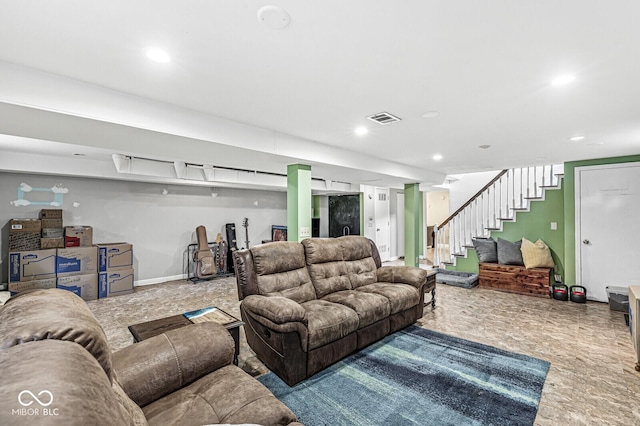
58 196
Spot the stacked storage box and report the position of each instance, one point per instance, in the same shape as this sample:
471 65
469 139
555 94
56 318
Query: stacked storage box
78 236
24 234
52 230
116 274
77 271
32 269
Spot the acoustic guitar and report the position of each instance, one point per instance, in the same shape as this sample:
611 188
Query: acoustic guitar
203 259
245 225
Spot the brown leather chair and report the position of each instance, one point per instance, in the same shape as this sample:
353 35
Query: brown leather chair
56 369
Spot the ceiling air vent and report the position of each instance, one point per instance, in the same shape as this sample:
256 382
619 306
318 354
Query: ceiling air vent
384 118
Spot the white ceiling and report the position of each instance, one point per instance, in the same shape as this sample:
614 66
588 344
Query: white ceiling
296 94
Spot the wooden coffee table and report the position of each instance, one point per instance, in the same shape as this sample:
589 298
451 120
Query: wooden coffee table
149 329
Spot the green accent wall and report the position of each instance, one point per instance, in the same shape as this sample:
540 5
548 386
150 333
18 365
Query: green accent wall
412 223
298 201
316 206
570 208
533 225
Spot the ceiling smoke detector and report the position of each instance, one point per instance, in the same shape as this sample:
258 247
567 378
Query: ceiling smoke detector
384 118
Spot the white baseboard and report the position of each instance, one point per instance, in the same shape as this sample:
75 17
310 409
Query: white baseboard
391 259
159 280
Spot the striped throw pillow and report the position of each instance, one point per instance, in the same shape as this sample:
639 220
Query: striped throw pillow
536 255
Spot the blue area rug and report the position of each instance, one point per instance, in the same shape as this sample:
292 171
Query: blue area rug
419 377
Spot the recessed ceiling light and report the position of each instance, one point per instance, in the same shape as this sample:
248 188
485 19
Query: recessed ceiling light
484 146
431 114
360 131
563 79
437 157
158 55
576 138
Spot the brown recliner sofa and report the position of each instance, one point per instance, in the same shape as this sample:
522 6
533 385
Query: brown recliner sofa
307 305
56 369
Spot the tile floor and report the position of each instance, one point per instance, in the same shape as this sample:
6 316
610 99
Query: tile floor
591 381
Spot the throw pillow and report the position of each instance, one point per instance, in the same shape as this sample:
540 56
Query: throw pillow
536 255
486 250
509 253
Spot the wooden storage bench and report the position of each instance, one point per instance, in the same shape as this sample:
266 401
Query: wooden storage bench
515 279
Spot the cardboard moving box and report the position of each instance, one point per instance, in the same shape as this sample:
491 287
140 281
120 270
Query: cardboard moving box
32 265
24 241
114 256
51 223
46 243
51 214
77 261
24 225
115 283
78 236
32 285
85 286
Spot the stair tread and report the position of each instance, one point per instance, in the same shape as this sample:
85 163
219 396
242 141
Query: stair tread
520 209
505 218
533 198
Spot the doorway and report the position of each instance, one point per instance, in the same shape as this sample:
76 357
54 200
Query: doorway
383 224
607 202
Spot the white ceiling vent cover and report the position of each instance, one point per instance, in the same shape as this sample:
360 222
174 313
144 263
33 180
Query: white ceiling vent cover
384 118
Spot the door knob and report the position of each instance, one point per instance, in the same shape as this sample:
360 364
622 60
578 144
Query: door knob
377 229
585 241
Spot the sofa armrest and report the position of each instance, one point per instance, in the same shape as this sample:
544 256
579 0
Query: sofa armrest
414 276
158 366
277 309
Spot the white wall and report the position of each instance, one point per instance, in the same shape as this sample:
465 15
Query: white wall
369 208
436 207
467 186
159 227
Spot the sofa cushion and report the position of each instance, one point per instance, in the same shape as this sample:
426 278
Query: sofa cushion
228 395
53 314
361 268
401 296
69 378
370 307
326 266
328 322
281 271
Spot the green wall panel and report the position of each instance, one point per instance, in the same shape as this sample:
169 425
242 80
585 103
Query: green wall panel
533 225
411 224
298 201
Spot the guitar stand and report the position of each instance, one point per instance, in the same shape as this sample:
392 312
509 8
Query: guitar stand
191 248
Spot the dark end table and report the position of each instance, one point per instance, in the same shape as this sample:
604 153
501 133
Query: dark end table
148 329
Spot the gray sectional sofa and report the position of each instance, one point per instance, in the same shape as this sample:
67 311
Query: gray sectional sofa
307 305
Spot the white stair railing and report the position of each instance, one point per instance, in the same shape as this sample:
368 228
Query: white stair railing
511 190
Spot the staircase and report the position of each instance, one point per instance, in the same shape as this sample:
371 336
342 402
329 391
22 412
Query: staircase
511 191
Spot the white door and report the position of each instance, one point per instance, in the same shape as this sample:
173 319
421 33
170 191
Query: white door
607 227
400 224
383 225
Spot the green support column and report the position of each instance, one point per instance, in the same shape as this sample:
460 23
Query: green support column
412 220
421 238
298 202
